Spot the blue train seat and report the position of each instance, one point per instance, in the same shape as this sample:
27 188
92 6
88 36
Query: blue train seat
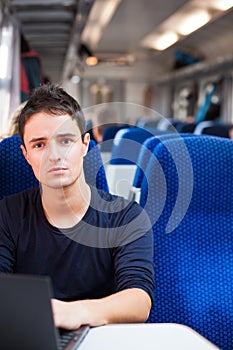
189 202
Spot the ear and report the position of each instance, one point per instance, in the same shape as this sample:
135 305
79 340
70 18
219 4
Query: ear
86 141
25 153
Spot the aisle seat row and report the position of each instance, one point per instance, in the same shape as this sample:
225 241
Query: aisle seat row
127 143
185 184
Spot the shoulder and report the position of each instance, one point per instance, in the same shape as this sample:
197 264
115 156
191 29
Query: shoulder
27 195
127 219
17 204
113 204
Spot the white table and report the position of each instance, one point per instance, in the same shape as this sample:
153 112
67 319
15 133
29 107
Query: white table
165 336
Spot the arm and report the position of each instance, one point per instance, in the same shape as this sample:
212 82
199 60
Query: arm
7 245
130 305
134 281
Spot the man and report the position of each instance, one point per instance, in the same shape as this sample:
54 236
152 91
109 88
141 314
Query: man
105 118
97 248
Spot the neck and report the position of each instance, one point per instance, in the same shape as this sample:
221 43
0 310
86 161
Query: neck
65 207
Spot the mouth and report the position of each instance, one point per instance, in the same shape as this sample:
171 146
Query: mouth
58 170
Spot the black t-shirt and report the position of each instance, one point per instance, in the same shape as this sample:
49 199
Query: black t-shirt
109 250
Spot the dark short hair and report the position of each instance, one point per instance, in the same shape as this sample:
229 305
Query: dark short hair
53 100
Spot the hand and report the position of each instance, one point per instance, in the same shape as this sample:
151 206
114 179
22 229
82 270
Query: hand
69 315
130 305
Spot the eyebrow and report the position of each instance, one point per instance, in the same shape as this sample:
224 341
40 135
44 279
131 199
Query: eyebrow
36 139
68 134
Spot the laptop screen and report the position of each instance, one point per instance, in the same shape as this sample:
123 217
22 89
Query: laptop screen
26 318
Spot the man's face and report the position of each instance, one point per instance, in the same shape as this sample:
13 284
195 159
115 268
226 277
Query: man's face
54 149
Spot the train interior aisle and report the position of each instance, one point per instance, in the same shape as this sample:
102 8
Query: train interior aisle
155 81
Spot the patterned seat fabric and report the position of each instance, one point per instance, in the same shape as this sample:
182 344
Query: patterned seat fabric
16 174
127 144
146 151
108 137
191 210
93 168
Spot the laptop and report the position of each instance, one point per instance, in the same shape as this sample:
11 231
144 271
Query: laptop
26 319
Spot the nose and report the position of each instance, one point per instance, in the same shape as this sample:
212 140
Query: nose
54 154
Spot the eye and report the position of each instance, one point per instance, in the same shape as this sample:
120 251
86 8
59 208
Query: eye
66 141
39 145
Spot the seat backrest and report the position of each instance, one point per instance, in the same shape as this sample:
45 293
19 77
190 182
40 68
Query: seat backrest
187 127
165 123
127 144
108 136
16 174
217 130
190 206
202 125
94 169
147 123
146 150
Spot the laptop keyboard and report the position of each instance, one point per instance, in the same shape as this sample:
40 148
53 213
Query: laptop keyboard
65 338
73 337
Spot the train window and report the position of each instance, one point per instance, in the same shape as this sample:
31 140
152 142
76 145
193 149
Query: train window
9 68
